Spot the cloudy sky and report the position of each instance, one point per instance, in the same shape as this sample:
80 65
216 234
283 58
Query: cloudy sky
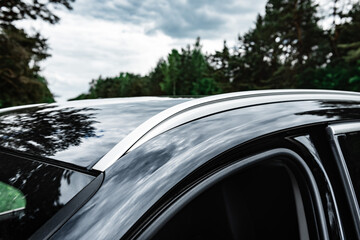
110 36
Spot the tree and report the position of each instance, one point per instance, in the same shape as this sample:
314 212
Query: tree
171 72
185 73
342 70
14 10
284 42
20 81
155 77
348 36
255 58
123 85
20 53
224 66
287 48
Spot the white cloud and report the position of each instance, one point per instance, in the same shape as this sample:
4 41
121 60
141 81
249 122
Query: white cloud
85 46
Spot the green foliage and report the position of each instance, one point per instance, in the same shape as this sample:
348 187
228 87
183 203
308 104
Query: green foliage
182 73
205 86
342 70
286 49
10 198
353 53
185 72
155 78
20 53
340 76
20 82
123 85
223 69
280 46
13 10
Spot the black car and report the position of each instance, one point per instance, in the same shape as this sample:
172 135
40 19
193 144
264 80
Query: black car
281 164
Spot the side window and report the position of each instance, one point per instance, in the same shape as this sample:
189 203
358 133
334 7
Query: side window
346 148
260 202
32 193
350 147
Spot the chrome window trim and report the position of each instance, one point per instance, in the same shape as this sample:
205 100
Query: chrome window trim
335 131
230 170
197 108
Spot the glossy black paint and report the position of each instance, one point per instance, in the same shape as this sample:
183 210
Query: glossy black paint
57 220
74 133
277 158
333 219
140 178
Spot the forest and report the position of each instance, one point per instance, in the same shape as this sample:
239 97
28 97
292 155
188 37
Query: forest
288 47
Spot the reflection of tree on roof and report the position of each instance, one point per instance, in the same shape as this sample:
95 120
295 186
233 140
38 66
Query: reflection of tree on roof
45 131
336 110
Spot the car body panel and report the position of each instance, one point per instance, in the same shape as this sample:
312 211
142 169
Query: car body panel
202 107
334 223
138 180
80 132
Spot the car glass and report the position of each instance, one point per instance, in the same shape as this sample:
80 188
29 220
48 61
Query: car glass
31 192
350 147
258 203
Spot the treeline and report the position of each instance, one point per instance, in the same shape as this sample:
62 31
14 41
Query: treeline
20 53
187 72
287 48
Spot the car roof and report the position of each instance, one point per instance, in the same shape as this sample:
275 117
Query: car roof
202 107
94 134
78 132
156 169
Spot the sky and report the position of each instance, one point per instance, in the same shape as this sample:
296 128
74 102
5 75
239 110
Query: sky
104 38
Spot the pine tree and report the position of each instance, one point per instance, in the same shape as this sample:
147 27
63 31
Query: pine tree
224 65
283 43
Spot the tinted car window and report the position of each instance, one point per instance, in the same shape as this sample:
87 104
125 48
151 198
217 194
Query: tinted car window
258 203
350 147
32 192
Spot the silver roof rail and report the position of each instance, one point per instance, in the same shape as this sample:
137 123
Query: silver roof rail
201 107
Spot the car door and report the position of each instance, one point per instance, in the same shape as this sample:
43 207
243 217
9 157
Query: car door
269 195
345 139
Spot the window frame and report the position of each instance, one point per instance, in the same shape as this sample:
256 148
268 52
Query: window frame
335 131
286 155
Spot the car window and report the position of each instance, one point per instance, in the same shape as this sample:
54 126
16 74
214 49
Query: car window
350 147
263 202
32 192
345 140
